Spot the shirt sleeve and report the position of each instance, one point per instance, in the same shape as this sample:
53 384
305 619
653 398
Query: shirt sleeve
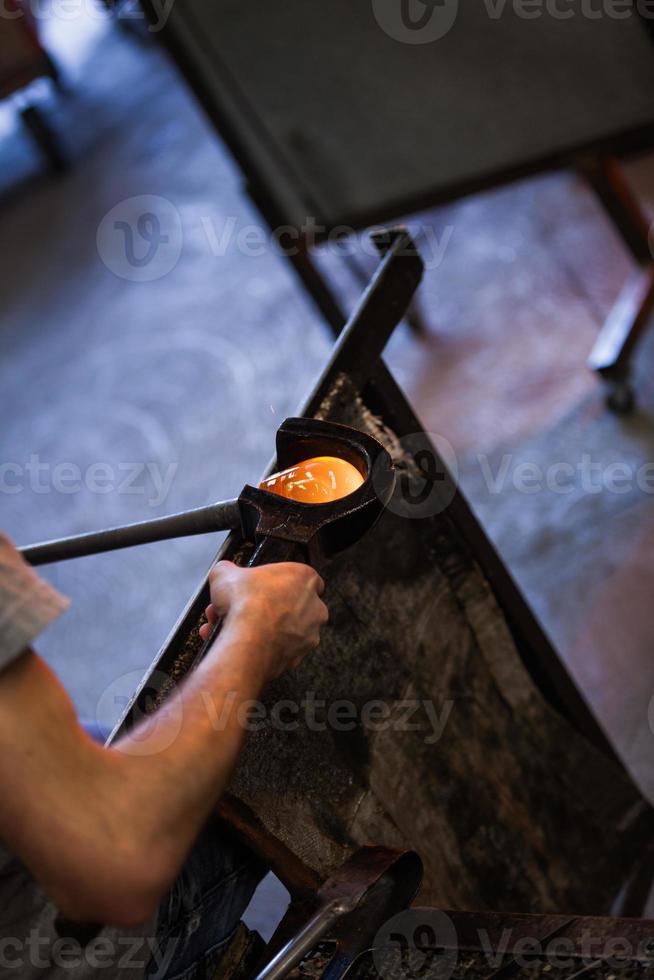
27 603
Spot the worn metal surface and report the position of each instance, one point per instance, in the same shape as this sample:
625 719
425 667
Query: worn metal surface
496 947
507 804
374 884
509 807
473 965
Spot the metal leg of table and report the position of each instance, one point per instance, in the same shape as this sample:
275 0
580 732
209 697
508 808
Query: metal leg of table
414 315
321 293
299 255
612 354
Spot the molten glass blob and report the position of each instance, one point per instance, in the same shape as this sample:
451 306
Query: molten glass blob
315 481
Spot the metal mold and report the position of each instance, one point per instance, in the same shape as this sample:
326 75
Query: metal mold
321 530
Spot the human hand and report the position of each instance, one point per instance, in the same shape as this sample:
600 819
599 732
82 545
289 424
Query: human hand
277 606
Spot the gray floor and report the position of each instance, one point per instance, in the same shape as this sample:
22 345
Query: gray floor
190 374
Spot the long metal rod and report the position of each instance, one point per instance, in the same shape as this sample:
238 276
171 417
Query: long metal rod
310 934
379 310
221 516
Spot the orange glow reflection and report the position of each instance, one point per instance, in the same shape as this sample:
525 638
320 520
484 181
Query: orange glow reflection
315 481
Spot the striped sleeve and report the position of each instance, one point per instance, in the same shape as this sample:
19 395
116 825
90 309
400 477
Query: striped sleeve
27 603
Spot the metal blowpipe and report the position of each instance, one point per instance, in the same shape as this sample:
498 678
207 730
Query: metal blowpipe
222 516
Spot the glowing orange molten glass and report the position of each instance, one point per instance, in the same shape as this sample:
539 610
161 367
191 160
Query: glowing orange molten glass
315 481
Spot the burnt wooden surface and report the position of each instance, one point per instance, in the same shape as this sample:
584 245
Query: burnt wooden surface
509 809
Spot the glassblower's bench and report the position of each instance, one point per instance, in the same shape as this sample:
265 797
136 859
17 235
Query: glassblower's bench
515 801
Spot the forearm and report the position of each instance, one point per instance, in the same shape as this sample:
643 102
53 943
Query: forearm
173 767
105 832
96 825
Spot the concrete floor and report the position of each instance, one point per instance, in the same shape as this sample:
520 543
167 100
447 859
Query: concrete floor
191 373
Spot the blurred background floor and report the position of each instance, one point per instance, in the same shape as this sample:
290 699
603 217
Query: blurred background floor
185 379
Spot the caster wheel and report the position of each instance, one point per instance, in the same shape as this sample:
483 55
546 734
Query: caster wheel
621 398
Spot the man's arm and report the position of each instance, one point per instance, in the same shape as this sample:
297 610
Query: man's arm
105 832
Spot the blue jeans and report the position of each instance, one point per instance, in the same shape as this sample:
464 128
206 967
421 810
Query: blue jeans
200 914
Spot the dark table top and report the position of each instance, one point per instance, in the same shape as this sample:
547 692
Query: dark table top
338 119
